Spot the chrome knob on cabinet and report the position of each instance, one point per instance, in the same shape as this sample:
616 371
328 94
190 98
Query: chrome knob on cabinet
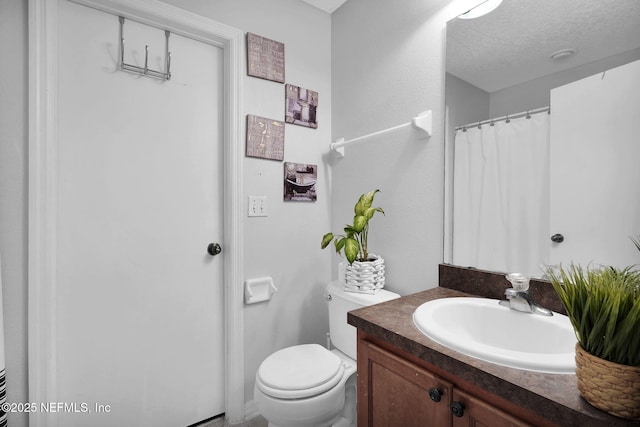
214 249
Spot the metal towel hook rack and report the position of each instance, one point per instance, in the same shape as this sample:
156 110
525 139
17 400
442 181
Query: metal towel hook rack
166 75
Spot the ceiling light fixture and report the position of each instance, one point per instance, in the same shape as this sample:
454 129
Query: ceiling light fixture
562 54
481 9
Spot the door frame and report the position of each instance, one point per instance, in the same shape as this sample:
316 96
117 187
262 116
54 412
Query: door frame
42 199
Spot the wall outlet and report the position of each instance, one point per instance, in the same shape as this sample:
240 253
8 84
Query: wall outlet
258 206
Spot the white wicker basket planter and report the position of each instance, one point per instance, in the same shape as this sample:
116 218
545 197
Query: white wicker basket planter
365 276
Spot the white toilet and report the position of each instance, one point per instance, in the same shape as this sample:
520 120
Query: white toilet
308 385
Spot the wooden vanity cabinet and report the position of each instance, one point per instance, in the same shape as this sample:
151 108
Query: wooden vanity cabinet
394 391
478 413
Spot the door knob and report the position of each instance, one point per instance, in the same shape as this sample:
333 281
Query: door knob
214 249
557 238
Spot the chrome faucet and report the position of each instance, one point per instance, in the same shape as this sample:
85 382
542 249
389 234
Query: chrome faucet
518 297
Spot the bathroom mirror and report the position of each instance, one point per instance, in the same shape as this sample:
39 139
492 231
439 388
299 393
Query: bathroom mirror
509 61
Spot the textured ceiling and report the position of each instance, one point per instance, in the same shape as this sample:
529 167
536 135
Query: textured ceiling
512 44
328 6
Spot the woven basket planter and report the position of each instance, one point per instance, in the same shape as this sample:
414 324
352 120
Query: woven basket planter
365 277
609 386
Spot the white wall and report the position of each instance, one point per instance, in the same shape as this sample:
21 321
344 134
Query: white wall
13 197
465 102
387 66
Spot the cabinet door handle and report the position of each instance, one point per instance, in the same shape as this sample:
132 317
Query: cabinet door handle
457 408
435 394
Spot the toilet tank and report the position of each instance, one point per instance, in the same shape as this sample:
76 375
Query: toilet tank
343 335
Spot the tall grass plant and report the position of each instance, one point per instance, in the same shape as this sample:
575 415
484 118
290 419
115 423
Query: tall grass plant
603 305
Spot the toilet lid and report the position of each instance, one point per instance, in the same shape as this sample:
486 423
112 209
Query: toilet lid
299 371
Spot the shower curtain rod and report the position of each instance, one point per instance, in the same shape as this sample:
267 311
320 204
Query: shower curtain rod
506 118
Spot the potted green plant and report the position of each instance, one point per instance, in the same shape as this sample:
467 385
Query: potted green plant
365 271
603 305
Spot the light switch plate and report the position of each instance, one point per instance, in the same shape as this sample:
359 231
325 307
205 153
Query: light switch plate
257 206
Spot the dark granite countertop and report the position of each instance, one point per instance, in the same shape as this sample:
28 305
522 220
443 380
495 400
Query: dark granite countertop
554 396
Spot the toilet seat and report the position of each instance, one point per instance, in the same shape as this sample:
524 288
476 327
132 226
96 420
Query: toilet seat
299 372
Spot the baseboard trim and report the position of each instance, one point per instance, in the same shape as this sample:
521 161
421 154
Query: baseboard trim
251 410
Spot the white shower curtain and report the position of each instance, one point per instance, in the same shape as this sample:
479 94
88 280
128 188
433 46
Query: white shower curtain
501 195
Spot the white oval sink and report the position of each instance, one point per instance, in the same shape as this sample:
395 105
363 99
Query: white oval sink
482 328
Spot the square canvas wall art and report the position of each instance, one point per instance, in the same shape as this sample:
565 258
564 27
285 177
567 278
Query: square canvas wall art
302 106
265 138
300 182
265 58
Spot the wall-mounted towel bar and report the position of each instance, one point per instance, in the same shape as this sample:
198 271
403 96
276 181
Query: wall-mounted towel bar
422 122
166 75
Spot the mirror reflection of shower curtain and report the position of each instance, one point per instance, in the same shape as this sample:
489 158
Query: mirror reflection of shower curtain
501 196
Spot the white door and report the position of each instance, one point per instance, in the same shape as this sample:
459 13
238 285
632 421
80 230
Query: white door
595 191
139 191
